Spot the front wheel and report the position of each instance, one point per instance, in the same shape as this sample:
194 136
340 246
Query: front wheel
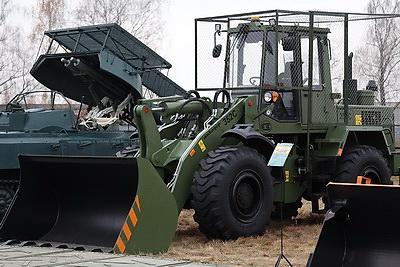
232 193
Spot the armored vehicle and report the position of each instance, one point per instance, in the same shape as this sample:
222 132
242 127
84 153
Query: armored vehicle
101 68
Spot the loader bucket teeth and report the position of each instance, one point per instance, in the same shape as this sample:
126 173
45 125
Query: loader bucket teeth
120 204
361 227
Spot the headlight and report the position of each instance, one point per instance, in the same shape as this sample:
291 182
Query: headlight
271 96
267 97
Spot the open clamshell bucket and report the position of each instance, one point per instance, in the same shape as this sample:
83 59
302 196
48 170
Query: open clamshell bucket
361 228
118 204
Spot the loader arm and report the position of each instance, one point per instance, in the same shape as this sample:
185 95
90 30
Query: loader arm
161 153
149 136
207 140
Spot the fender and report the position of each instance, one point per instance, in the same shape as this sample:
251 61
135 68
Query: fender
249 137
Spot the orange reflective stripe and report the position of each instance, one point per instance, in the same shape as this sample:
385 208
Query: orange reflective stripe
132 216
137 202
127 231
121 245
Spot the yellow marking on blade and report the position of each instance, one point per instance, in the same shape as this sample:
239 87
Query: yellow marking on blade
137 203
121 245
133 217
127 231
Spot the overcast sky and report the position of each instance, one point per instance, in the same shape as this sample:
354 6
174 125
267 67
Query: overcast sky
178 45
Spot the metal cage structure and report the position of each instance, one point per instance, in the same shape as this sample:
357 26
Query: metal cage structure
254 59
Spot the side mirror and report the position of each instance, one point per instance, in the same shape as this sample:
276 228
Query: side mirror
217 50
217 47
289 43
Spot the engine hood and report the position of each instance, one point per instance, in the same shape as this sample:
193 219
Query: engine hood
88 75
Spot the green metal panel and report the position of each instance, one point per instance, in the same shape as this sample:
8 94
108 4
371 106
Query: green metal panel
115 62
153 218
111 37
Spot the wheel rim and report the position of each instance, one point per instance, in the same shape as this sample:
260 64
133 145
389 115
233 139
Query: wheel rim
246 197
372 173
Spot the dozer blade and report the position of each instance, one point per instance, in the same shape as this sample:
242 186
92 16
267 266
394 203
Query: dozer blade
120 204
361 228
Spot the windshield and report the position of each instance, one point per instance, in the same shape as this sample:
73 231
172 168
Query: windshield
245 59
40 99
250 67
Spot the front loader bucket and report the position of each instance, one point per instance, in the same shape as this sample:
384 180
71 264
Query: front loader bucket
118 204
361 228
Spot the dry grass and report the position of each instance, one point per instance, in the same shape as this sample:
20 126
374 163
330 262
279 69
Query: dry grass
299 239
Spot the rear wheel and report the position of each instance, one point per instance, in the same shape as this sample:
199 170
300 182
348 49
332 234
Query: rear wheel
362 160
232 193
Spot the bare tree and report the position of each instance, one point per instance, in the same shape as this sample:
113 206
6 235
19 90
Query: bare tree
379 59
48 15
10 68
142 18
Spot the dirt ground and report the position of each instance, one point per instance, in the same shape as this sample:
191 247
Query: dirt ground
299 239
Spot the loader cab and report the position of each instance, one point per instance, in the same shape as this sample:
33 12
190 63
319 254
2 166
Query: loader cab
272 62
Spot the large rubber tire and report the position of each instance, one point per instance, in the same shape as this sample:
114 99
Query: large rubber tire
233 193
362 160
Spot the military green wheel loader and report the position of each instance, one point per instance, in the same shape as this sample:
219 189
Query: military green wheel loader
286 118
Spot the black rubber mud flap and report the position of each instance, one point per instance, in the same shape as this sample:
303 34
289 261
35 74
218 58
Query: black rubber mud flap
85 201
361 228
